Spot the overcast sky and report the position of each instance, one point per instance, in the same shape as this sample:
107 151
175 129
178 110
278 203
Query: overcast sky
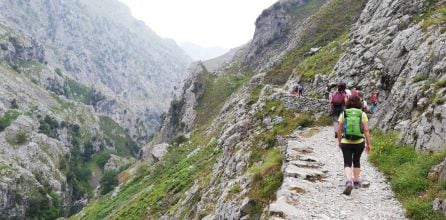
224 23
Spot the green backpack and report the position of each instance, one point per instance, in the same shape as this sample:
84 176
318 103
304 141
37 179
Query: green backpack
352 126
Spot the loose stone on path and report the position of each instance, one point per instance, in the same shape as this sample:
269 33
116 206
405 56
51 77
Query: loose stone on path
314 181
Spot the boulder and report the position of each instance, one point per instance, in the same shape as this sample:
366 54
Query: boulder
158 151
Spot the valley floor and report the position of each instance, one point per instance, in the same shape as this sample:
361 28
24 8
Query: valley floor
313 184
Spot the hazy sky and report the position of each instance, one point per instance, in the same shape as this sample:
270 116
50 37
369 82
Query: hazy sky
224 23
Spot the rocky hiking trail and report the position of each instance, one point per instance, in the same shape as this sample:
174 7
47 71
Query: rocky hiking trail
314 181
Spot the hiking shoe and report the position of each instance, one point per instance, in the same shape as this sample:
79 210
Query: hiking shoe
348 187
356 184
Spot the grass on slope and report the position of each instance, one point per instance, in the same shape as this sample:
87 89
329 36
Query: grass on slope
156 190
8 118
329 23
217 90
407 171
324 60
433 14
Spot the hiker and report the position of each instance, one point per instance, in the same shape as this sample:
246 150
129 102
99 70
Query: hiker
356 92
373 100
352 127
337 103
327 91
298 89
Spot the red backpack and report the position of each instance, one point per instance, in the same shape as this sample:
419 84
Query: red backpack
338 98
374 97
355 93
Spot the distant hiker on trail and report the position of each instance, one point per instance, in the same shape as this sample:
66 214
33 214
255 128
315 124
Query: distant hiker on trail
357 92
337 103
298 89
328 88
352 127
348 92
374 100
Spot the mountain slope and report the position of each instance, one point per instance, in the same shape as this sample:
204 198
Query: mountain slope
227 146
99 43
81 90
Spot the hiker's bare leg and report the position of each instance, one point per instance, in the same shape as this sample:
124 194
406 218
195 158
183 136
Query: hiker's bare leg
356 173
348 173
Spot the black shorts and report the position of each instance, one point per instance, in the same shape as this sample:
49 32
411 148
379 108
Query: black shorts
352 154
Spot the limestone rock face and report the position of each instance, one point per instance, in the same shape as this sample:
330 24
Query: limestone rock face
392 53
275 29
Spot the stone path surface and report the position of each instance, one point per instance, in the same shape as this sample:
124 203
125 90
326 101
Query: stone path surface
314 181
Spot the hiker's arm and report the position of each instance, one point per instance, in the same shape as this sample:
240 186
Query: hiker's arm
368 143
341 124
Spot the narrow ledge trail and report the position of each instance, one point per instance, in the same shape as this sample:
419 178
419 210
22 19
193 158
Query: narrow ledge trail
314 181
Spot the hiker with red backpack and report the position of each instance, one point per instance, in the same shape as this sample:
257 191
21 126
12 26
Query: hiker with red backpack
298 89
352 130
337 102
374 100
357 92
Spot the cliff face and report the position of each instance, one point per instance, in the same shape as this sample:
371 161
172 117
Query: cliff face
101 45
397 48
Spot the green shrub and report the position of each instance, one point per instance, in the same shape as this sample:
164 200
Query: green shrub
49 126
45 204
102 158
8 118
108 181
20 138
407 171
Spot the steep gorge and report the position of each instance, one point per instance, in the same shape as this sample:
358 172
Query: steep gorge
227 134
82 90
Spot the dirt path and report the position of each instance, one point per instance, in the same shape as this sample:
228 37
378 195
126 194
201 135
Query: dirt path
313 184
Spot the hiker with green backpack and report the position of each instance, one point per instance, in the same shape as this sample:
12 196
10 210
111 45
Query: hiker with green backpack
352 129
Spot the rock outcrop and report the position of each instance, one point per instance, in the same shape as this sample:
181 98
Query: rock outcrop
392 51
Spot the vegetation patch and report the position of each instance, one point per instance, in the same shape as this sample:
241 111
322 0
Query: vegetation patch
434 14
440 84
8 118
407 171
254 95
419 78
329 23
108 181
158 188
79 92
116 135
20 138
44 204
267 178
217 90
324 60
